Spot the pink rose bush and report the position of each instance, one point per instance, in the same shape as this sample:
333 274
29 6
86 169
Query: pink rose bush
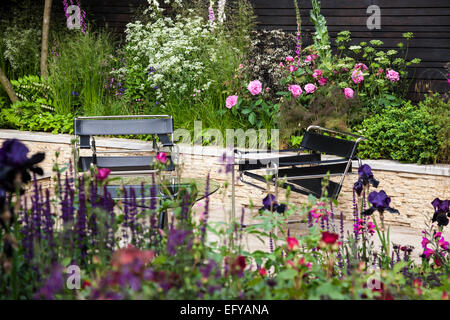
357 76
317 73
392 76
296 90
161 157
231 101
289 59
103 173
310 88
348 93
255 87
322 81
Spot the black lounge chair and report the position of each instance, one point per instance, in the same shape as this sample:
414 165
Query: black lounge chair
304 172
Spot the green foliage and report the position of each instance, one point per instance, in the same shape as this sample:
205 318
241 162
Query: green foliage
407 133
24 115
321 37
33 89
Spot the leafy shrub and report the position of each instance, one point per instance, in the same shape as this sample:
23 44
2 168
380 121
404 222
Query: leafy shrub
24 115
33 89
407 133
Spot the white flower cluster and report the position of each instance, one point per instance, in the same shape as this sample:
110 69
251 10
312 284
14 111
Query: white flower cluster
174 49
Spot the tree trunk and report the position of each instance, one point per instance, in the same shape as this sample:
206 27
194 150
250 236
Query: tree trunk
45 31
8 87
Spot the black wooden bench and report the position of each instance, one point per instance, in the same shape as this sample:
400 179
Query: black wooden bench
304 172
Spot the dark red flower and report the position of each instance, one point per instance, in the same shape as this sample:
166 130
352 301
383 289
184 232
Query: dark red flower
329 237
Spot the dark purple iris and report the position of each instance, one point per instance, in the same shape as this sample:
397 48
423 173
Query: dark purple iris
380 202
441 211
13 153
14 161
365 178
270 204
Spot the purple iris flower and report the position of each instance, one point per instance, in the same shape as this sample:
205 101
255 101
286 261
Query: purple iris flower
13 160
441 211
13 153
365 178
270 204
380 202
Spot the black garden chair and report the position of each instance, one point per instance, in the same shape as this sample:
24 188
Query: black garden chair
304 172
161 126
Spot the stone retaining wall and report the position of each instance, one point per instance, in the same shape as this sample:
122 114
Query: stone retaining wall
411 187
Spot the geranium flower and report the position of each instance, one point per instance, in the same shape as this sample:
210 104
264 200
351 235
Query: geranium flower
255 87
231 101
348 93
103 173
292 243
329 237
441 211
161 157
296 90
310 88
392 75
380 202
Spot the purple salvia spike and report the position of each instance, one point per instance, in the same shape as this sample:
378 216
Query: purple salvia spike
125 214
48 231
81 221
271 242
133 213
341 218
206 212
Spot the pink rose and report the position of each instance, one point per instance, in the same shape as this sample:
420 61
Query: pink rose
348 93
310 88
255 87
231 101
317 73
161 157
357 76
360 66
281 64
289 58
296 90
322 81
103 173
292 68
392 75
311 57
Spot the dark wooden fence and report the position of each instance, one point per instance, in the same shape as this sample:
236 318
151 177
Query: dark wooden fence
429 21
